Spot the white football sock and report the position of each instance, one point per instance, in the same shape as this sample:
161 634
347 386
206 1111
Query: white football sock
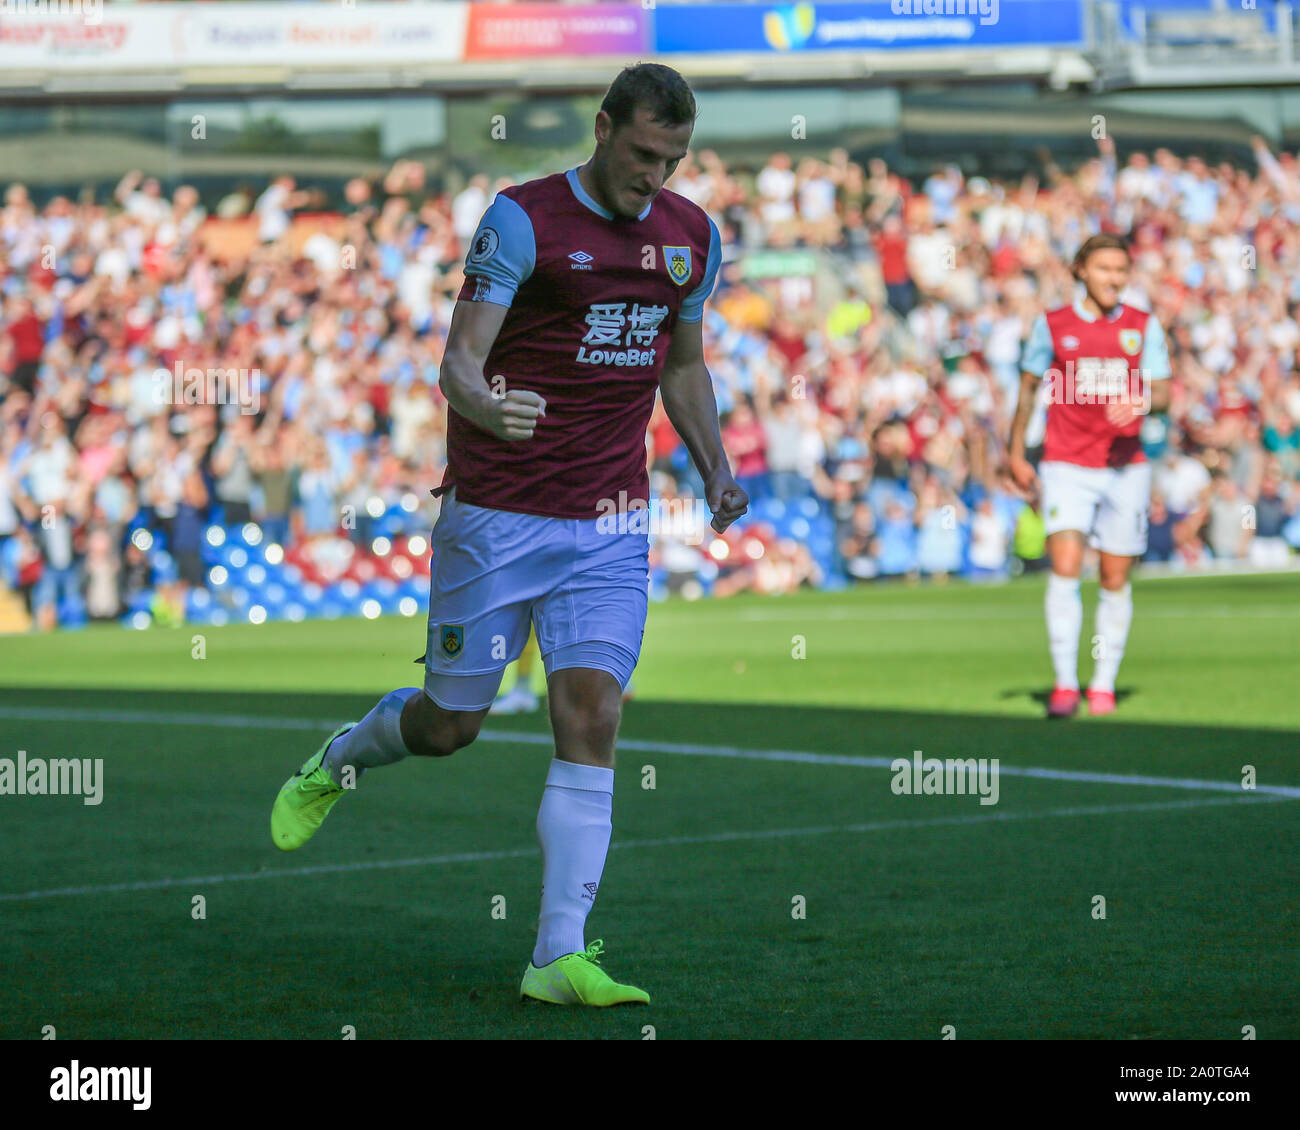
574 824
1114 615
375 740
1064 621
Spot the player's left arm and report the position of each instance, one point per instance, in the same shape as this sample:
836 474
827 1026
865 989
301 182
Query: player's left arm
687 391
1155 365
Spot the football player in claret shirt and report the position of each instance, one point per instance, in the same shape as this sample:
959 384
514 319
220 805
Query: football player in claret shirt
584 293
1107 365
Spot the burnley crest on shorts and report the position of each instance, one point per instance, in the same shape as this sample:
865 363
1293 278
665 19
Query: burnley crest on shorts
453 640
678 262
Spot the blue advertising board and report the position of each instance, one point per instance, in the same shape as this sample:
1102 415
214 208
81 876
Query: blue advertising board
870 26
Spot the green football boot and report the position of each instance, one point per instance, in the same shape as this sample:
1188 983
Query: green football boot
306 799
577 978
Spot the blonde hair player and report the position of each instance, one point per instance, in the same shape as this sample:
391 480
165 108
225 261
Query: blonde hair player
584 294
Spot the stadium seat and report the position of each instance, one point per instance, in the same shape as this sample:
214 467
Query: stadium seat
393 524
72 612
165 571
327 609
415 587
249 535
141 601
382 590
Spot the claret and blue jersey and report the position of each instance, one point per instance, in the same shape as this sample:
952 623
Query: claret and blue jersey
1093 361
593 302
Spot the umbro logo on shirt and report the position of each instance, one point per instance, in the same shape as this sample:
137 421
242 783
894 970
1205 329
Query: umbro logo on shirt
581 260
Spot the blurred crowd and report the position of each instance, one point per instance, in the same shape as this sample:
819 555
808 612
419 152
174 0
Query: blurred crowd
865 406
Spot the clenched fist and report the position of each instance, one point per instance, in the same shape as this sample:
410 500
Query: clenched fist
514 417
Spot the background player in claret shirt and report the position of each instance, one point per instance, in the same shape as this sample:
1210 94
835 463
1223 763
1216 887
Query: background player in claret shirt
1108 365
584 293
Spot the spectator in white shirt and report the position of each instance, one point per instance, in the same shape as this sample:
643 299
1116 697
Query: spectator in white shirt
1183 481
468 208
776 184
275 206
144 203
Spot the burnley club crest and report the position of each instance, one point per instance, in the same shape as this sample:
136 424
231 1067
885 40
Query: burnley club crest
453 640
678 262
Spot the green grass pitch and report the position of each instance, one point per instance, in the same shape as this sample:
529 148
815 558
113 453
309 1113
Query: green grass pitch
921 911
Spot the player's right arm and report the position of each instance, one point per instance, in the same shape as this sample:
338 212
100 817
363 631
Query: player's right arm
1035 360
501 257
511 415
1021 469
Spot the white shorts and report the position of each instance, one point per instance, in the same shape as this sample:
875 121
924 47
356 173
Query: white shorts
495 572
1108 505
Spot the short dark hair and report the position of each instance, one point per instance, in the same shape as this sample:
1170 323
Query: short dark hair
657 88
1105 241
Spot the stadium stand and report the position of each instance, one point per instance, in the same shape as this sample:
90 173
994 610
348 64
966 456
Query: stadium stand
869 435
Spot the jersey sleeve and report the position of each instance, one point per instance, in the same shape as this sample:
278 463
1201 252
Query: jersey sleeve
1037 355
1155 352
501 255
692 309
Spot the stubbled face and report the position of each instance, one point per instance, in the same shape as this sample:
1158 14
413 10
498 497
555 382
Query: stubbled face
633 162
1105 274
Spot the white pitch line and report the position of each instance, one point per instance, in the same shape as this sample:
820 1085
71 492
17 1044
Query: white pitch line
669 841
525 737
991 612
